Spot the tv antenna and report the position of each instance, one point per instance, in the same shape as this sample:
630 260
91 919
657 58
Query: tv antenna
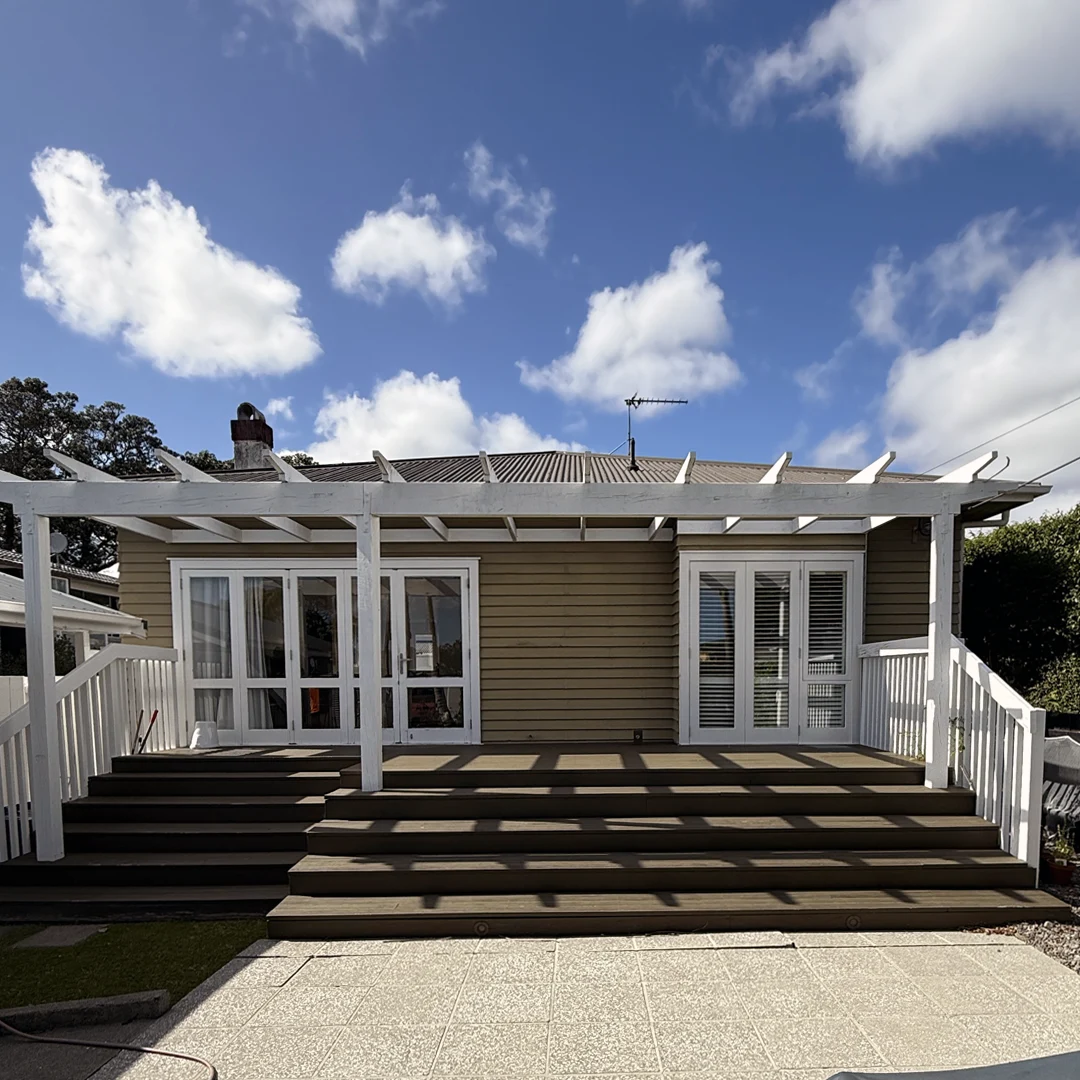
635 402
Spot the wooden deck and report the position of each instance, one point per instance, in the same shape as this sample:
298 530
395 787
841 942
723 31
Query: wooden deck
529 839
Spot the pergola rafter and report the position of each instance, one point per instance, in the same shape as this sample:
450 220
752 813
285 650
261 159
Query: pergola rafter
392 476
491 477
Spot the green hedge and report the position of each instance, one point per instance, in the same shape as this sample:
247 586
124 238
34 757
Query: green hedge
1021 610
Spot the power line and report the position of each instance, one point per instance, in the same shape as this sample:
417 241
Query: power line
994 438
1025 483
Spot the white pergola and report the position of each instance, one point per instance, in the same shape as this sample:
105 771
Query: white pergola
208 508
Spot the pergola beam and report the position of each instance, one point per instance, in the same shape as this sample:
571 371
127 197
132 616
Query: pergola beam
392 476
682 477
492 477
289 474
645 500
774 475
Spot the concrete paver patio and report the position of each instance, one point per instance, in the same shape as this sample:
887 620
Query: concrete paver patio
670 1007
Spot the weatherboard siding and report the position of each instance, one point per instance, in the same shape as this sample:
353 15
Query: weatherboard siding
576 640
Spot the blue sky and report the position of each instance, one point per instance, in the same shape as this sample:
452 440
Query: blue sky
835 228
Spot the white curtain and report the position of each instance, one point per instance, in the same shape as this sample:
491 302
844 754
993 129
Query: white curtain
211 635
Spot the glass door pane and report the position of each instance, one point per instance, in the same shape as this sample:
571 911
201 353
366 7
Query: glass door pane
716 650
772 648
827 671
266 669
386 658
433 681
210 648
320 669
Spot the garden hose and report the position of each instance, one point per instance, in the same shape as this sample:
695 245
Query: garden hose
211 1072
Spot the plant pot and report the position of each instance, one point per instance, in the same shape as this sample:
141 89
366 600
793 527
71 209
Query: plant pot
1060 873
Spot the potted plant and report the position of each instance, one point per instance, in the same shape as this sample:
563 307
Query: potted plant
1060 856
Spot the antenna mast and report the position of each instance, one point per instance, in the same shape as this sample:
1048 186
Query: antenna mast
635 402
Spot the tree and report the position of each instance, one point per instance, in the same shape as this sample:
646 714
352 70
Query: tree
298 459
32 418
1022 606
106 436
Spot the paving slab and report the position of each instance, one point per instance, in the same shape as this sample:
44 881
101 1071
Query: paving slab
651 1007
59 937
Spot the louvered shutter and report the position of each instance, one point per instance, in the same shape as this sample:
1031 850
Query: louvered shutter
716 650
772 648
826 654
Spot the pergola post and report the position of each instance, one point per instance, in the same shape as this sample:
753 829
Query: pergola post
369 647
41 689
938 648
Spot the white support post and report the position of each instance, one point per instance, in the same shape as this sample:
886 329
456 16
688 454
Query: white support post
938 647
369 623
1031 787
45 791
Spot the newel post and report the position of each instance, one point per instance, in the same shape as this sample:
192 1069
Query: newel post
45 792
938 648
369 647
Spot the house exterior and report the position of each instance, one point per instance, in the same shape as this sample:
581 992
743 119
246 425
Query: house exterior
544 629
444 667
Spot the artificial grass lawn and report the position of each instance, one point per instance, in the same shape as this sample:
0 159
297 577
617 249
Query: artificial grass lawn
173 956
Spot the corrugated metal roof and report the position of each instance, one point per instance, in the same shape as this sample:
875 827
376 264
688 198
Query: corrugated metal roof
563 466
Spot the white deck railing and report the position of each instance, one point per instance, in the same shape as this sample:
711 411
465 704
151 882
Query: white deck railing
97 710
995 736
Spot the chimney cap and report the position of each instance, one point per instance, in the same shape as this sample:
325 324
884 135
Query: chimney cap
246 411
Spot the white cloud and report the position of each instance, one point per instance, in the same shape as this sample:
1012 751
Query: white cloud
417 416
1000 371
660 337
814 379
845 448
412 246
904 75
140 264
877 304
357 24
280 406
521 216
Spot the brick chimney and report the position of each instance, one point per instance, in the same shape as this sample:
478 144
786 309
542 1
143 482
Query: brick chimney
252 436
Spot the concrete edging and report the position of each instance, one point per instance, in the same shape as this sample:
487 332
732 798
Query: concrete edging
145 1005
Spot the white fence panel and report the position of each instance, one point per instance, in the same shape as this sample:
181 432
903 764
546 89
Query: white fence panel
995 736
98 709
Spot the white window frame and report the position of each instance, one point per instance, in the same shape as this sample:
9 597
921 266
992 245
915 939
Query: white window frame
469 568
807 559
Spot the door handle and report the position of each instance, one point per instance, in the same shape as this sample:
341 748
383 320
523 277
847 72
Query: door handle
401 663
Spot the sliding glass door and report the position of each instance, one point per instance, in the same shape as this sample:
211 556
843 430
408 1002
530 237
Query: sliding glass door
769 649
271 653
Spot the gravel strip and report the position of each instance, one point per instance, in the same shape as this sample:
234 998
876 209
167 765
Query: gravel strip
1059 940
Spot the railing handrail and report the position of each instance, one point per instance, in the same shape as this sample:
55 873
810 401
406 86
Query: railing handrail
82 674
900 647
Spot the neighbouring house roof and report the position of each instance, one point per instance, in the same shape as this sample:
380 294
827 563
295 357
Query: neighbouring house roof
8 557
69 612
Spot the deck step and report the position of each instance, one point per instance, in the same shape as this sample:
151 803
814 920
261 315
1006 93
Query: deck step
222 807
683 871
236 759
324 917
190 782
151 868
125 903
651 800
643 775
694 833
181 836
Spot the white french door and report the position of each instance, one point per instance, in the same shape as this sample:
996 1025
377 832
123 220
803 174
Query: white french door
770 646
270 652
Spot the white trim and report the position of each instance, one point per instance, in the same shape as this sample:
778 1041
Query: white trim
855 561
